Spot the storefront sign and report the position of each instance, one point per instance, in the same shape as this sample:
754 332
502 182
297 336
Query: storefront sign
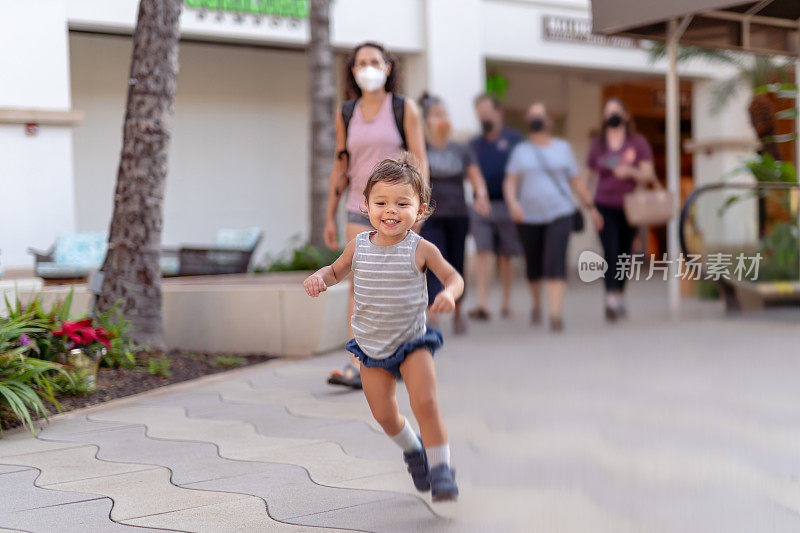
292 9
579 30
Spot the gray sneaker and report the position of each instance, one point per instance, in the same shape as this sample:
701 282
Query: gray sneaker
443 483
417 462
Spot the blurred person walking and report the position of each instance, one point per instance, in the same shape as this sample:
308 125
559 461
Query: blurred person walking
540 174
450 163
375 124
494 233
620 158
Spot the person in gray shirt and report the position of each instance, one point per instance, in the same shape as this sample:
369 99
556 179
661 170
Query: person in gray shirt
541 175
450 164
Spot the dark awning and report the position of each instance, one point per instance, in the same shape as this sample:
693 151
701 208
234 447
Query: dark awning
764 26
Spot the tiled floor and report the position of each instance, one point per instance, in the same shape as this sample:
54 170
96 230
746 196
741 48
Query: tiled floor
649 425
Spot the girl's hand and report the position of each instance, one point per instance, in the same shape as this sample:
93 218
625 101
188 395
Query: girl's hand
444 303
482 206
314 284
516 212
331 238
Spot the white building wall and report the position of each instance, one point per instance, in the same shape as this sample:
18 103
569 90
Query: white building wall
396 24
445 44
36 184
239 144
456 67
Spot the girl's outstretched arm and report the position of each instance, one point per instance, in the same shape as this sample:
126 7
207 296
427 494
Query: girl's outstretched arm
330 275
453 283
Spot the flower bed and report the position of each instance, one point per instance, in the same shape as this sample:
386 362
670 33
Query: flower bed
119 382
49 363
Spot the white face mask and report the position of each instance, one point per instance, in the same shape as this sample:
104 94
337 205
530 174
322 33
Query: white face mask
370 79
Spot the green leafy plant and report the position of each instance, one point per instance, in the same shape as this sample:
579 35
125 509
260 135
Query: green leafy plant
121 351
780 254
25 382
228 361
752 71
298 257
42 343
74 383
159 366
707 290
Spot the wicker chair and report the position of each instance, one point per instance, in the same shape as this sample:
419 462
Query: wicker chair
230 254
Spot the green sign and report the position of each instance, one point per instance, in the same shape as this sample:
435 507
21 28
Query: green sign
295 9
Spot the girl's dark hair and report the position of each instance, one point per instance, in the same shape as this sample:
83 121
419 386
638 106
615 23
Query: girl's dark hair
629 128
426 102
352 90
403 170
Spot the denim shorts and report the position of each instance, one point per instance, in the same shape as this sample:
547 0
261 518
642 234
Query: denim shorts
431 339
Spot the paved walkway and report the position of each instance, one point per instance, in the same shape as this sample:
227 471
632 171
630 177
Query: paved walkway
651 425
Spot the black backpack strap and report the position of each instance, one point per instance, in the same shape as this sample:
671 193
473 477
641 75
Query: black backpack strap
348 108
399 109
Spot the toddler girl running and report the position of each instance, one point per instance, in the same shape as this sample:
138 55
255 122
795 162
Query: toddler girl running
390 336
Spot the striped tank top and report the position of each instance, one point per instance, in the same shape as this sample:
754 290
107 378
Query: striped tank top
391 295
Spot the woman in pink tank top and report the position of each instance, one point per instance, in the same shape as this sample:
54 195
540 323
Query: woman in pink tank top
370 136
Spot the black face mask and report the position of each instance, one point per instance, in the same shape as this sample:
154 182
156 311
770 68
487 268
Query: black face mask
536 124
487 126
614 121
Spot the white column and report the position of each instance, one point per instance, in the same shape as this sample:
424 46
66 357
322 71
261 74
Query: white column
456 67
36 178
673 163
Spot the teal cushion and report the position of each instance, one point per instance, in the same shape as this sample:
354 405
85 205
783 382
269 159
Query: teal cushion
169 265
243 239
62 270
86 249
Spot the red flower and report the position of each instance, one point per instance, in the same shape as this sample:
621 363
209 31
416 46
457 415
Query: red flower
83 334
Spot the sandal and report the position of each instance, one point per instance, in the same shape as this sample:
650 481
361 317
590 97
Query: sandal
352 381
478 313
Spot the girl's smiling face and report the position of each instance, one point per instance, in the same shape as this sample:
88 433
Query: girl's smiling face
393 208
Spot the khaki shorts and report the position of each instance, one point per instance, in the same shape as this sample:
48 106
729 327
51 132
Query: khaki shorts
495 233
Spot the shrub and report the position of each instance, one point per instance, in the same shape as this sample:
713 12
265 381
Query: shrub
228 360
24 381
298 257
121 349
159 366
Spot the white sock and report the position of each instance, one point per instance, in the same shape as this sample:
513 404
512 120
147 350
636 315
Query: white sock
407 439
438 455
614 300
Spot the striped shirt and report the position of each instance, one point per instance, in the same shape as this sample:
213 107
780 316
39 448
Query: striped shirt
391 295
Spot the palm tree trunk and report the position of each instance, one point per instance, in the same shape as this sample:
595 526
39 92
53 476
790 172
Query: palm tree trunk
131 266
323 135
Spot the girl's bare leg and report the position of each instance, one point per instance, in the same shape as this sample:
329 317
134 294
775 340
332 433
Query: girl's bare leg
379 388
420 379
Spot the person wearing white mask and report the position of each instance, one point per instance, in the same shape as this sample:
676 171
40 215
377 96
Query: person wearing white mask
373 125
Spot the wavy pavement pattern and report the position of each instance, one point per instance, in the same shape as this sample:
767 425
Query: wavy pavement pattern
479 506
142 495
659 465
290 494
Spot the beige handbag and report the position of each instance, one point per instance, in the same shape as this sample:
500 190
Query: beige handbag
649 204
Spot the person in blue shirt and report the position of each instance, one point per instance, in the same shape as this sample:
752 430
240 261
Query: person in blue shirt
541 186
495 234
